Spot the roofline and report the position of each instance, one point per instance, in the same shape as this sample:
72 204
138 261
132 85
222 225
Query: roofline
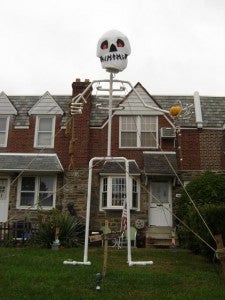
120 174
161 174
28 154
36 155
30 170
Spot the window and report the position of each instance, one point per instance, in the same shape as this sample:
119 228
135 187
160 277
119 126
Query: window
160 192
4 126
113 192
139 131
44 131
38 191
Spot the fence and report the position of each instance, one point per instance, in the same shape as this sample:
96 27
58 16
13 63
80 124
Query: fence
17 231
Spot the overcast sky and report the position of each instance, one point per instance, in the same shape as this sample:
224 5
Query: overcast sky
178 46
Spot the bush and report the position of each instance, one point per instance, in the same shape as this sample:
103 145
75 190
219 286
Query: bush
207 188
214 216
208 193
69 230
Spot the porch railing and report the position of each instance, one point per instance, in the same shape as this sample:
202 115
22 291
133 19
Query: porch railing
17 231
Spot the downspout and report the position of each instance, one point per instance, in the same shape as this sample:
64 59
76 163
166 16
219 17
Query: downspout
198 110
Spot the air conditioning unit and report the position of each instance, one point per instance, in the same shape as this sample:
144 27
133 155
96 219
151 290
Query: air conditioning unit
168 132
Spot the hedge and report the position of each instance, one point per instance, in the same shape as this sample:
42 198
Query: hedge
214 216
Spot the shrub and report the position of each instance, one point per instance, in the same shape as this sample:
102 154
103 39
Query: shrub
214 216
69 230
208 193
207 188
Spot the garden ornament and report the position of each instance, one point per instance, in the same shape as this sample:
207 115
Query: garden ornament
98 281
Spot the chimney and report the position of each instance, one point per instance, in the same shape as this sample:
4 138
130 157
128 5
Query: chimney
79 86
198 110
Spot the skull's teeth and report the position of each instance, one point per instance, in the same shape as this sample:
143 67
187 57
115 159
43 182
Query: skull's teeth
110 57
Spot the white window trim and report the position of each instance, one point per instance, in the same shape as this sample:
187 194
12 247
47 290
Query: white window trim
6 131
109 193
35 206
138 133
36 131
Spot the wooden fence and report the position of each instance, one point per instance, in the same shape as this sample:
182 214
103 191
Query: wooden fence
18 231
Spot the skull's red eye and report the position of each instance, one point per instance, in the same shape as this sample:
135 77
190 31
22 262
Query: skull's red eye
120 43
104 45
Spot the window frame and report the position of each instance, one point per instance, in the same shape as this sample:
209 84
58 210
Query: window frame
36 192
106 189
37 131
139 131
6 131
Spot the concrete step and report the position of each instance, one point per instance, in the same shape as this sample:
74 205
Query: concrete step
160 229
162 242
160 236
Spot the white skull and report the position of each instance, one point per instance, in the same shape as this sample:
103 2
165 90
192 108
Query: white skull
112 49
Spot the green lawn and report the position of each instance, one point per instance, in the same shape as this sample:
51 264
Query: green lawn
31 273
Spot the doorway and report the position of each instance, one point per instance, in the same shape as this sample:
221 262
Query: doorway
160 204
4 199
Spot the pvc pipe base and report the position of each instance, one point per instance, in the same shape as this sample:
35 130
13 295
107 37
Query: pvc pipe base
74 263
140 263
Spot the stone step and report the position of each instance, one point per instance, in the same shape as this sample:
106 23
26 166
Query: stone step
160 236
161 242
160 229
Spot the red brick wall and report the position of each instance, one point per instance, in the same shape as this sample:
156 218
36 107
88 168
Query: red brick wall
22 141
202 149
190 149
211 149
61 144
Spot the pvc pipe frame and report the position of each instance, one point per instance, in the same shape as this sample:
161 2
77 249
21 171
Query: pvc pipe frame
128 196
77 98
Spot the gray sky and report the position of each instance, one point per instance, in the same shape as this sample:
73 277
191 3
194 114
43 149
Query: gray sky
178 46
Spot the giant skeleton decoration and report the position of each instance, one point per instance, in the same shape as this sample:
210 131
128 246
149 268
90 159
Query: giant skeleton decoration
113 49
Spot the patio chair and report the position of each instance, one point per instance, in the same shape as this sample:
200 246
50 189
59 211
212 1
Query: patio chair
133 235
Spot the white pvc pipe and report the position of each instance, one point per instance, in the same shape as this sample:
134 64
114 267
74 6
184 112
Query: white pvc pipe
140 263
88 210
125 82
68 262
128 198
110 115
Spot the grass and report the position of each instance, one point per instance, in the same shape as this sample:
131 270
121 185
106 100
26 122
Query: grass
31 273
